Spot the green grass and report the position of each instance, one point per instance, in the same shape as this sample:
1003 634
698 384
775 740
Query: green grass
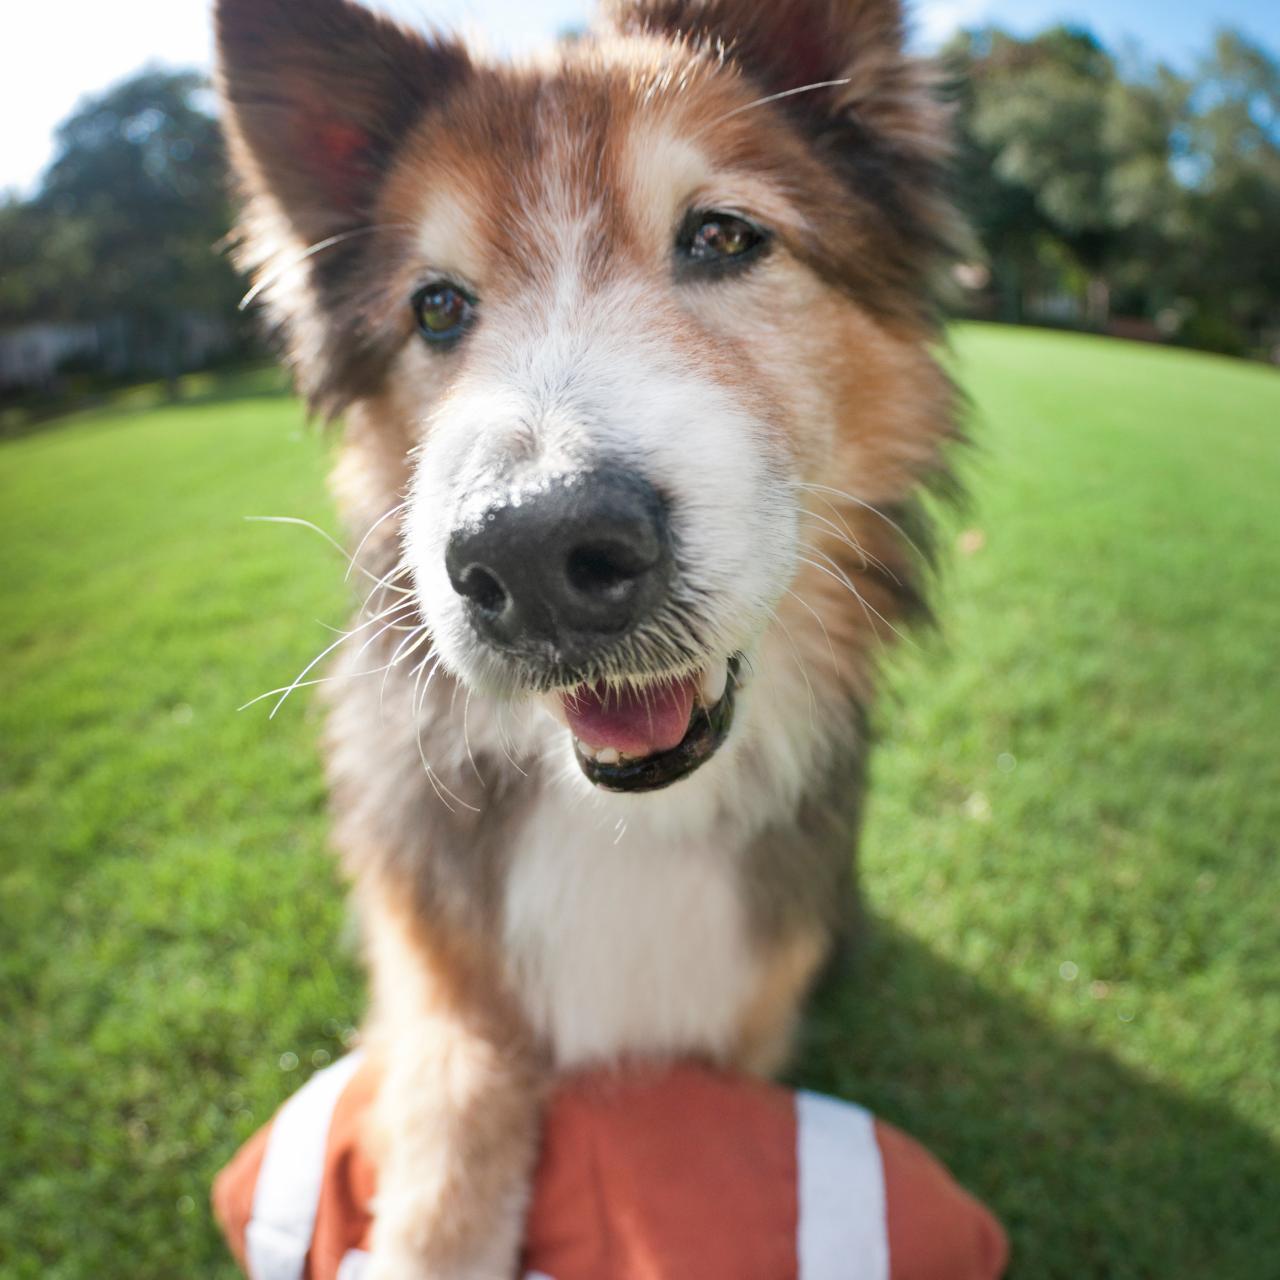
1071 989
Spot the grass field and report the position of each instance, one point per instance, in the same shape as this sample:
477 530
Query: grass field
1072 987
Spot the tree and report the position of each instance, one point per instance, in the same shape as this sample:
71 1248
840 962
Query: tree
1145 199
1230 261
1157 191
41 254
1039 116
125 222
1001 209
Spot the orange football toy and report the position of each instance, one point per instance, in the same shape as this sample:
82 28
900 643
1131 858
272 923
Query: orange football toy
686 1174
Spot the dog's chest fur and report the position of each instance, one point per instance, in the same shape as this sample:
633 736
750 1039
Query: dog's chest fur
624 930
627 945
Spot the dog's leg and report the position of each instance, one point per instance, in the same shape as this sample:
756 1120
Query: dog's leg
459 1110
767 1026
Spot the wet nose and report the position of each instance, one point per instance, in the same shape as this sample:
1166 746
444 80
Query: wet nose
568 565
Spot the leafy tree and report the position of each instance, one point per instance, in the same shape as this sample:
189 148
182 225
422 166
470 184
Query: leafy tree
1145 199
127 217
1155 190
41 253
1040 116
1229 261
1002 210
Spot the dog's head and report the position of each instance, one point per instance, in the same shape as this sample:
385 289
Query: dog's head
647 318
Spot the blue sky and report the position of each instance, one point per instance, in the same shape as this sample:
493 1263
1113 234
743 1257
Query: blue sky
67 48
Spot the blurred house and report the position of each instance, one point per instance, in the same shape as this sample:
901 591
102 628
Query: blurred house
42 356
31 356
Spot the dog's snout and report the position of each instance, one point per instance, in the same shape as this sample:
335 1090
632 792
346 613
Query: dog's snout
569 564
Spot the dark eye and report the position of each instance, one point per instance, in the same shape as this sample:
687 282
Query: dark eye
719 241
442 311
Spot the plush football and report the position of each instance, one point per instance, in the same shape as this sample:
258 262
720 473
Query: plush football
683 1174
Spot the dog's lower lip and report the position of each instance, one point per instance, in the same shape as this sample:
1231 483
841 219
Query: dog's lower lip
708 729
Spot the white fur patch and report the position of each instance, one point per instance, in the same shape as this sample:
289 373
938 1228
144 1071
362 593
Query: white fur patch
638 946
447 237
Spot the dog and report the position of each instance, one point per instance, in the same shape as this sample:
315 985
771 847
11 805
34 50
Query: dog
634 343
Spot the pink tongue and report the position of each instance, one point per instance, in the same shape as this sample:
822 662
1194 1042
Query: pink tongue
636 724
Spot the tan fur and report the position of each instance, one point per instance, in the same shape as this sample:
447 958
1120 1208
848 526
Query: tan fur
457 1154
768 1022
551 190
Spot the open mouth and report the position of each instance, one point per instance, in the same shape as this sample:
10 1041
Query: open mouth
634 740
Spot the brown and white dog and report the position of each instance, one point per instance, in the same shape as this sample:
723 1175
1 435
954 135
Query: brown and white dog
632 343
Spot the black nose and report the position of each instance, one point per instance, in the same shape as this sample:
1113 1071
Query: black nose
566 566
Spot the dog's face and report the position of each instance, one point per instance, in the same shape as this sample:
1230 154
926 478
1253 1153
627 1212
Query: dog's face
629 309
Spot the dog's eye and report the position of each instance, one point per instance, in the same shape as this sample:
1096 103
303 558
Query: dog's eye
719 240
442 311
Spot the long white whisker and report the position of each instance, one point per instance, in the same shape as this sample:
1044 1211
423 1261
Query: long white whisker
314 528
868 561
380 632
848 540
504 739
800 600
310 684
310 252
416 700
866 506
804 671
320 657
413 640
385 583
355 555
324 653
443 792
835 511
303 524
466 738
382 613
867 608
777 97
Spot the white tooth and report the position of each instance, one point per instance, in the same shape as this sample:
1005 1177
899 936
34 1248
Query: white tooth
713 682
553 705
582 749
607 755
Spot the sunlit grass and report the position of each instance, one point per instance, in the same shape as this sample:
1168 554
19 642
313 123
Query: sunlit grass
1070 988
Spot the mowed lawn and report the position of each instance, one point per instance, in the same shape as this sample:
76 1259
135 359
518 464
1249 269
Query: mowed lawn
1071 984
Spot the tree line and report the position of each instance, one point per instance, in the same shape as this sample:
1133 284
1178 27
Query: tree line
1101 186
112 267
1103 191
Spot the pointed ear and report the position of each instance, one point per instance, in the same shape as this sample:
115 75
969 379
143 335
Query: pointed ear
855 47
318 95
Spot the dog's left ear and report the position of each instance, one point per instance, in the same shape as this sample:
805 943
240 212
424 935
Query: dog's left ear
854 48
318 95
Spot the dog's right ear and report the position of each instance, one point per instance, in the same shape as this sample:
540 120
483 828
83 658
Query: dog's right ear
318 95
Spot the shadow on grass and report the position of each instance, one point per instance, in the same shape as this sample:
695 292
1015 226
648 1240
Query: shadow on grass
1095 1170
